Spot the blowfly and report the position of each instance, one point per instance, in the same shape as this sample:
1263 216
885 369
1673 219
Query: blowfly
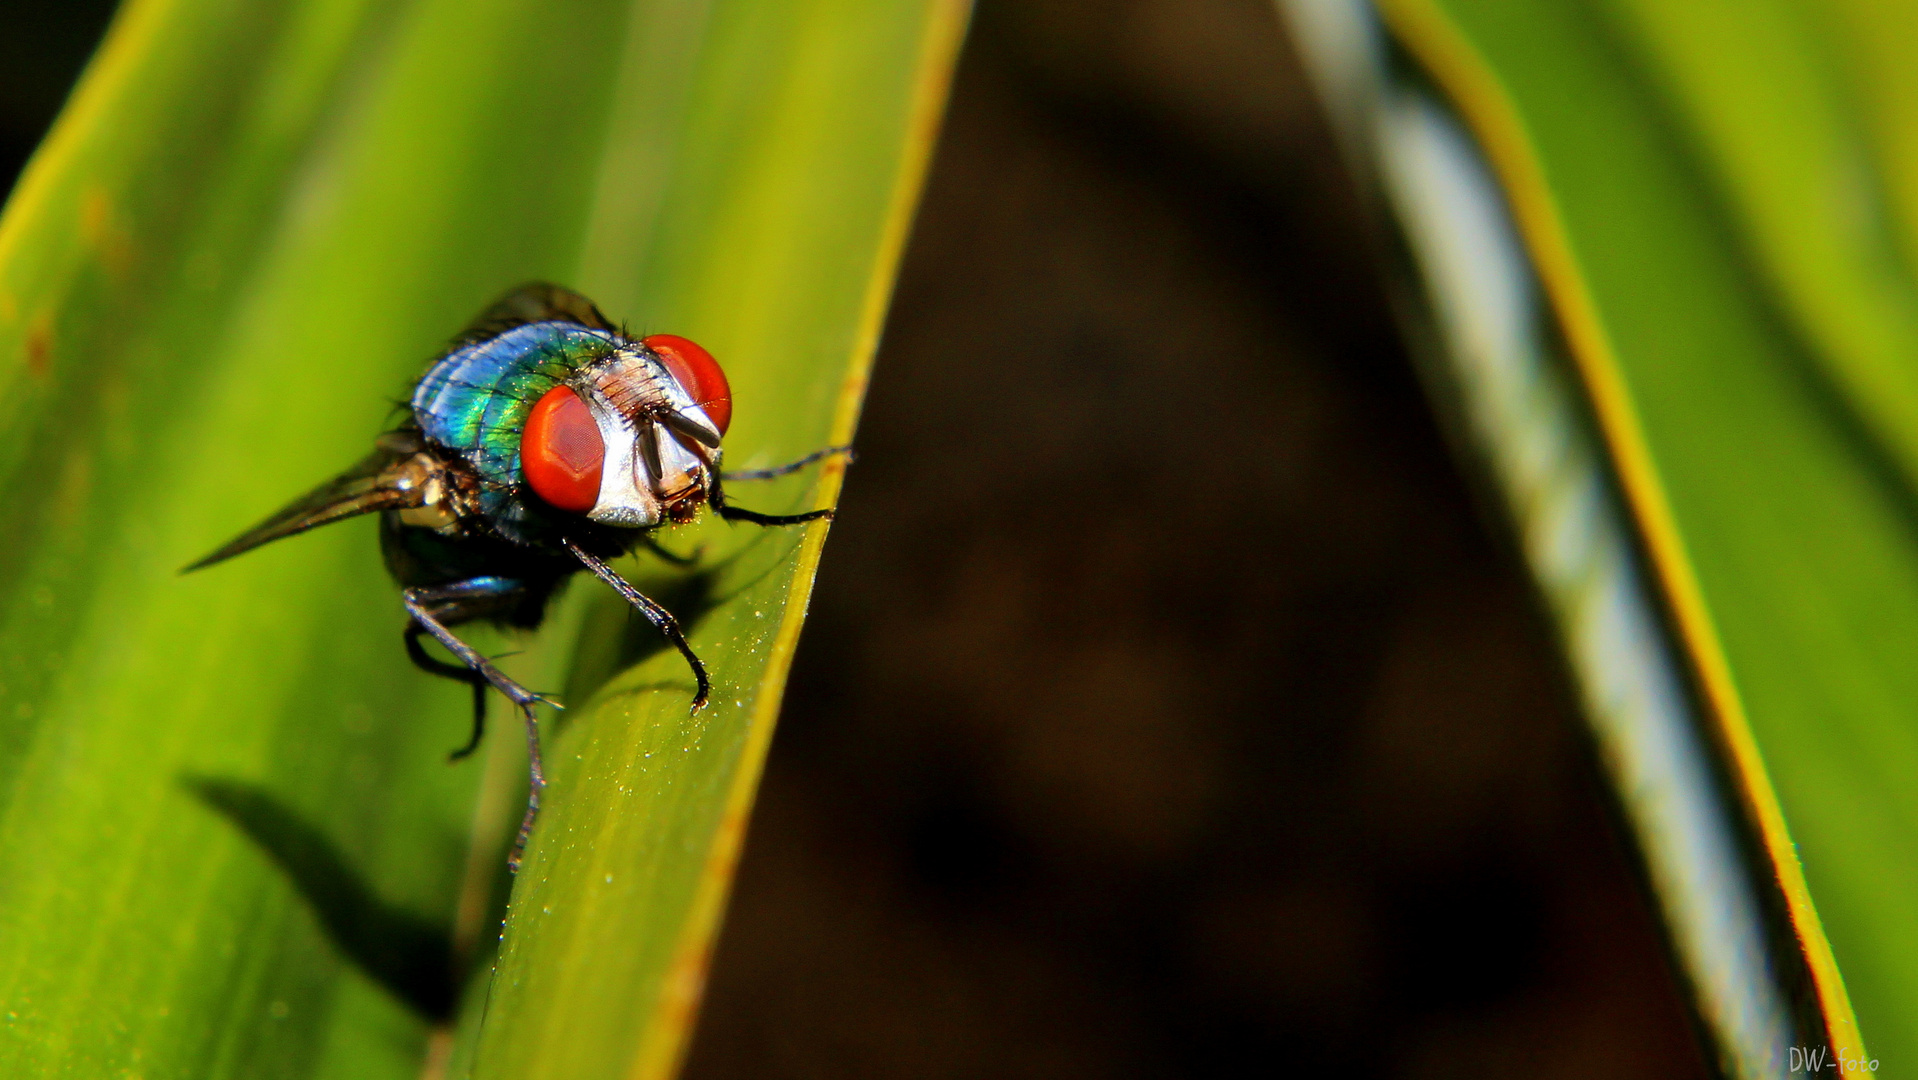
544 441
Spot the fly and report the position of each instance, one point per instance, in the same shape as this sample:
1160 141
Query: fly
543 442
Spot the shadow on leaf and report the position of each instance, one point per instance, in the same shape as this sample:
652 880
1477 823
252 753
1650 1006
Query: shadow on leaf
412 957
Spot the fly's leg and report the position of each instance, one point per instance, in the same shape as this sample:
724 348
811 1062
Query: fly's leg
716 494
428 606
660 618
791 466
716 491
432 666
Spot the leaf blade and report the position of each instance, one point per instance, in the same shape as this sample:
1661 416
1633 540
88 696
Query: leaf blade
281 212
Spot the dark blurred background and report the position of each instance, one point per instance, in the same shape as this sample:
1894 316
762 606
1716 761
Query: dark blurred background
43 45
1169 708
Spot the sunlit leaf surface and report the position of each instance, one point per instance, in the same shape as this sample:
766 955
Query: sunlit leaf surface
236 849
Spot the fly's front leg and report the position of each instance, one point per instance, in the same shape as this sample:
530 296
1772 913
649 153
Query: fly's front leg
428 606
660 618
791 466
716 494
716 491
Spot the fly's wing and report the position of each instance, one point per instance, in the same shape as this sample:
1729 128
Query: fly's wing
390 478
535 301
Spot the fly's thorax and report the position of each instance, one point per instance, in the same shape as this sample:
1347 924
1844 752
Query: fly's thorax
436 510
660 445
441 496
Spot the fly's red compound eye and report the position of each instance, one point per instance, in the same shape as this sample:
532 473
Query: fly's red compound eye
699 373
561 452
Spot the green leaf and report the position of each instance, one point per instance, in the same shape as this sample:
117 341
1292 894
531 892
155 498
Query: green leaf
1767 94
236 846
1717 202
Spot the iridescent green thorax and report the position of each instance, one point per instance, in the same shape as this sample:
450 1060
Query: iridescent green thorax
475 401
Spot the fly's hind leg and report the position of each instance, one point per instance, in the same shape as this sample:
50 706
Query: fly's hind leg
456 672
431 610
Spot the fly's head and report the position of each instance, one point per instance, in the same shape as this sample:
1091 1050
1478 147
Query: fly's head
630 440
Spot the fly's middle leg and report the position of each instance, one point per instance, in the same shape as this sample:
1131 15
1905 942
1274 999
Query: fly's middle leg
456 672
431 609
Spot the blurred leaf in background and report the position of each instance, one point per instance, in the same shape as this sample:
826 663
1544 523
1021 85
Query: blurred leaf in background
237 850
1710 213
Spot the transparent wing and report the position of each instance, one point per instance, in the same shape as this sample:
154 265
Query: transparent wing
392 477
535 301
